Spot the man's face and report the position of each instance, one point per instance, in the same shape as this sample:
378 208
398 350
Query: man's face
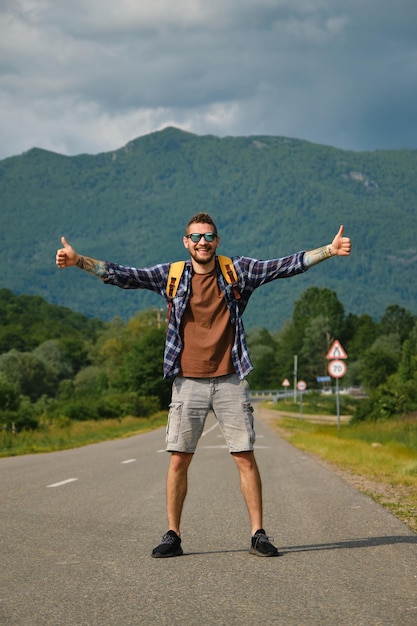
202 251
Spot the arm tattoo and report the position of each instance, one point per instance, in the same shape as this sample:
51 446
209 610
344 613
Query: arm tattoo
316 256
97 268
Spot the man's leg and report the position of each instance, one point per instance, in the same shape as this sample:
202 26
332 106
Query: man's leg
190 403
176 488
251 486
250 482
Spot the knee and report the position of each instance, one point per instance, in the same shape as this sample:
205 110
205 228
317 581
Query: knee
245 460
180 461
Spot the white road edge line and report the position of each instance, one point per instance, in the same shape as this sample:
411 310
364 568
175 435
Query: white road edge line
63 482
128 461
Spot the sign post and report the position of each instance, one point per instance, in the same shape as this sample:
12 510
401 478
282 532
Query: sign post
337 369
295 377
301 386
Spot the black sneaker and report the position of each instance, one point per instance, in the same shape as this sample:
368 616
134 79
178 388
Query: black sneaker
261 546
169 546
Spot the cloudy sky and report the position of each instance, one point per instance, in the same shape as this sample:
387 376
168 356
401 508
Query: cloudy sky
87 76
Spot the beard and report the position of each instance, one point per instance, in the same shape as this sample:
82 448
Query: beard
202 259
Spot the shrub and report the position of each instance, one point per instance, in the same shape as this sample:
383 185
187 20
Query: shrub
108 405
14 421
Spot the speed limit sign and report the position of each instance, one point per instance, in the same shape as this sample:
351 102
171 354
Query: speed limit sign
337 368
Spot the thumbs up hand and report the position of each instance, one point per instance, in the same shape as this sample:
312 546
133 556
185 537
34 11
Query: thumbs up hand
341 245
66 256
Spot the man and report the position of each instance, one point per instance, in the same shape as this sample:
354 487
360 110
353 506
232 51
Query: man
207 357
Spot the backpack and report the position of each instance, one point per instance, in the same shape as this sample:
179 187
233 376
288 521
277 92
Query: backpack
176 269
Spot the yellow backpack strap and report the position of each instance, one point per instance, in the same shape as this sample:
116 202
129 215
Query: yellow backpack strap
175 272
229 273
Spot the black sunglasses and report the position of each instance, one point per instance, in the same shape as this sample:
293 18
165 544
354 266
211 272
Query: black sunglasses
195 237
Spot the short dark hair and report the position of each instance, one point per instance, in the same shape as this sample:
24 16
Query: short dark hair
202 218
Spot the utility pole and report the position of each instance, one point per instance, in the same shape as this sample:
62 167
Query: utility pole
295 378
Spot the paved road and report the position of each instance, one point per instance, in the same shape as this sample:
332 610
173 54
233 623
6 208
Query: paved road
77 529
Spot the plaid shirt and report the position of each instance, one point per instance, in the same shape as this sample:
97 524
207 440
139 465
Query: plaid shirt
251 274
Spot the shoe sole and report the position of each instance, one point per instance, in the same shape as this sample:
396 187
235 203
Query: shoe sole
167 556
257 553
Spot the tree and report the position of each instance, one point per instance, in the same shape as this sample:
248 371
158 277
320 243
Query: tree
286 348
360 333
263 375
380 361
407 366
9 395
316 302
398 320
28 372
110 347
11 367
54 359
36 380
142 368
313 360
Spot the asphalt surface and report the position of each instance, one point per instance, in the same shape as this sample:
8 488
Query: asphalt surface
78 527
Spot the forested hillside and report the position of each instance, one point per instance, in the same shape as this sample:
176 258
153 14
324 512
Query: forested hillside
270 196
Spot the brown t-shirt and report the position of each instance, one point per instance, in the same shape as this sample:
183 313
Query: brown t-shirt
206 330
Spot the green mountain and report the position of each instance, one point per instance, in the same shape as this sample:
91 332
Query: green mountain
270 196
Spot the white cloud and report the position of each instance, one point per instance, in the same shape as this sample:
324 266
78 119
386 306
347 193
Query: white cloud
90 75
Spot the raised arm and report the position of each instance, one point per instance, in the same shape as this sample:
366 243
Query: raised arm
67 257
340 246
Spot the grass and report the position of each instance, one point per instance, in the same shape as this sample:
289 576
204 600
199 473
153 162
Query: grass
67 434
380 458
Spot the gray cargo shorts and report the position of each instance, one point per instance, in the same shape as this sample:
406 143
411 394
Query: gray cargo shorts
191 401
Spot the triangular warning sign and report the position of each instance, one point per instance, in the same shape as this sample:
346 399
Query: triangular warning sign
336 351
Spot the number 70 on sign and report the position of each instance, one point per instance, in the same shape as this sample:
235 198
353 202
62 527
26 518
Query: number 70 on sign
337 368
